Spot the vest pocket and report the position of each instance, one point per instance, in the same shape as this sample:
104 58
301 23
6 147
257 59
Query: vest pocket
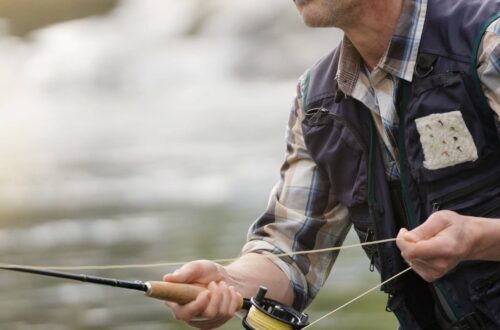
481 198
445 132
338 149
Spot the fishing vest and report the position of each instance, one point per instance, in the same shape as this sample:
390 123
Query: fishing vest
449 146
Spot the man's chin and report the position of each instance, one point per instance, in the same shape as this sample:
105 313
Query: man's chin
314 21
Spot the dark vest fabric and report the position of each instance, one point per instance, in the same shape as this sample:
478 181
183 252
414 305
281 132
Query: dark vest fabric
339 134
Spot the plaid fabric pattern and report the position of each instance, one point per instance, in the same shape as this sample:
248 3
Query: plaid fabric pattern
377 89
302 213
489 65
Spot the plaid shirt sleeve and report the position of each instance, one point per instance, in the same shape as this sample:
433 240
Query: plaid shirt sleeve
302 214
489 65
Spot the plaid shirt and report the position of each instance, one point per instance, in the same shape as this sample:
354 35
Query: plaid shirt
302 213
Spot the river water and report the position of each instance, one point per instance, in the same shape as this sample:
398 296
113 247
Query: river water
152 133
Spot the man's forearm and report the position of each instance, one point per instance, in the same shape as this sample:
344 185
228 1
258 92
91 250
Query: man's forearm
487 239
253 270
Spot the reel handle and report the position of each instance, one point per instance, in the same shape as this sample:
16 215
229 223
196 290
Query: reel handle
180 293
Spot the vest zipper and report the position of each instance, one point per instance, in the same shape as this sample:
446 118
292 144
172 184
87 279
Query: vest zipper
369 236
444 302
371 232
437 204
315 117
402 102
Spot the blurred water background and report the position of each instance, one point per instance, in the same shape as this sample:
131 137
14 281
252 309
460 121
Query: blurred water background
142 131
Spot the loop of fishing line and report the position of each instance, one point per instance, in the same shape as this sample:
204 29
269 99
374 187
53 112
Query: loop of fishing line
358 297
180 263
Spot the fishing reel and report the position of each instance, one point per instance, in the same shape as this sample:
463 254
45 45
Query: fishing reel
268 314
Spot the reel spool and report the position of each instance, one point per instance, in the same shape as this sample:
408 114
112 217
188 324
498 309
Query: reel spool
268 314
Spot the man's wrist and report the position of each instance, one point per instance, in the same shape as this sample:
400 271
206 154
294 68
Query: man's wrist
484 236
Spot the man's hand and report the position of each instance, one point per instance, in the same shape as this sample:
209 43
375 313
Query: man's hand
226 286
213 307
439 244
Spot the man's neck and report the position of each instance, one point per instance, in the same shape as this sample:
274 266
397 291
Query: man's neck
372 33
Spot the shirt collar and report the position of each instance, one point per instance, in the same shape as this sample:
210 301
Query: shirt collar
400 57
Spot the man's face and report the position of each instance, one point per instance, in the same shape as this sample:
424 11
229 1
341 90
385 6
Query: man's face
328 13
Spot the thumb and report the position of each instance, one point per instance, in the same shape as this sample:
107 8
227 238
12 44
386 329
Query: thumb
436 223
200 271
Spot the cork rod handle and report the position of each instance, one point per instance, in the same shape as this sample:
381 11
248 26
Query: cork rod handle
176 292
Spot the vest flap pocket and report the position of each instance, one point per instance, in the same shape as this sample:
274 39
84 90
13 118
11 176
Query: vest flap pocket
480 197
446 134
438 80
338 149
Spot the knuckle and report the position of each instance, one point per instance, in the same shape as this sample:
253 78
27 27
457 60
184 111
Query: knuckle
445 214
210 313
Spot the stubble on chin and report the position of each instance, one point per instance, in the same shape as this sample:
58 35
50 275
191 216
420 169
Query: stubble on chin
328 13
318 19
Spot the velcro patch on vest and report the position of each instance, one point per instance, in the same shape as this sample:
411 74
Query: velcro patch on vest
445 139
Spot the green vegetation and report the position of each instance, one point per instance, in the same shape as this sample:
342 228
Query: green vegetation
25 16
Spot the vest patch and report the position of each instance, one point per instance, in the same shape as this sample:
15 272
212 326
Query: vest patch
445 140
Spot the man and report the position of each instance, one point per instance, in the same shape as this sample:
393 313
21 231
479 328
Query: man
391 130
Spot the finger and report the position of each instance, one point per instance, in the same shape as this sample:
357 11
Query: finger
200 271
191 310
403 244
437 222
434 248
226 300
426 270
236 300
212 309
223 312
401 233
186 274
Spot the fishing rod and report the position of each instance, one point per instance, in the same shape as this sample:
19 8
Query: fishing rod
262 313
176 292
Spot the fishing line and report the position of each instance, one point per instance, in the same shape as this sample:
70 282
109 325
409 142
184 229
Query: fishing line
180 263
358 297
263 314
